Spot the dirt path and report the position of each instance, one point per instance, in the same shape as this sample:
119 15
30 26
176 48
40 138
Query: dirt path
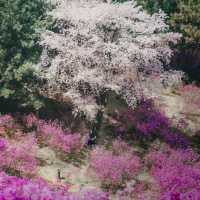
53 170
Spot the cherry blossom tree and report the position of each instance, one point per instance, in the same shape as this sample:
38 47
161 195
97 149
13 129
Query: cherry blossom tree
96 47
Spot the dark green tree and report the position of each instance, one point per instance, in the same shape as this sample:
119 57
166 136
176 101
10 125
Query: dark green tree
186 20
152 6
20 22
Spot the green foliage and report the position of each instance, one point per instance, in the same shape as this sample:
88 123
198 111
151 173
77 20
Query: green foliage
186 20
20 25
119 1
152 6
184 17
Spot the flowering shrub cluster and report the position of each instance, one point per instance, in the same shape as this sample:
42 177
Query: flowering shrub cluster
6 121
19 140
17 149
140 191
14 188
146 122
18 156
114 167
53 135
173 175
177 173
48 133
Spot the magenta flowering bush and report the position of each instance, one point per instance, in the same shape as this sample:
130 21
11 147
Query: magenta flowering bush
140 191
3 144
18 156
7 122
120 147
171 174
89 194
19 142
177 172
53 135
14 188
115 167
145 123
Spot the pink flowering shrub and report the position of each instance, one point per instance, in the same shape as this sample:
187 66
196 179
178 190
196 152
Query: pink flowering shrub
14 188
31 120
52 134
171 175
18 156
139 191
115 167
177 173
119 147
6 120
146 123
